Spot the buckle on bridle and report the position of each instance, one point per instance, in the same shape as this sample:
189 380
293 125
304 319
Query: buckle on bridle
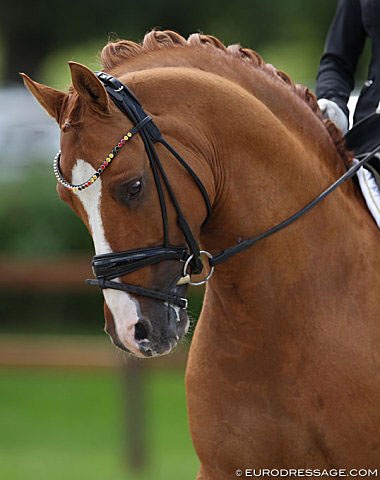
187 263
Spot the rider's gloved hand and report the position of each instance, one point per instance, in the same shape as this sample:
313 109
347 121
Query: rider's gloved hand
334 113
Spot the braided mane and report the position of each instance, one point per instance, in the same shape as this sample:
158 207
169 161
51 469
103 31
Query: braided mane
117 52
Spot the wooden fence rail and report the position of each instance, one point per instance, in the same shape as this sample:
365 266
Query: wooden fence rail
74 352
38 274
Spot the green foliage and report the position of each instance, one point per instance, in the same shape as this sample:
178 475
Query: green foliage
295 59
35 222
57 312
55 71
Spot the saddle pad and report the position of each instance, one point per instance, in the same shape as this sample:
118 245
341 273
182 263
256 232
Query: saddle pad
370 191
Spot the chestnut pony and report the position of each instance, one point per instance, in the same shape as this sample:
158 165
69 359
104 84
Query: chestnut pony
283 369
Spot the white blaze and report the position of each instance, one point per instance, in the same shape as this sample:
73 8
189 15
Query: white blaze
121 305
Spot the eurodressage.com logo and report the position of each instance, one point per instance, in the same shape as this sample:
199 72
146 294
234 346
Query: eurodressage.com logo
305 472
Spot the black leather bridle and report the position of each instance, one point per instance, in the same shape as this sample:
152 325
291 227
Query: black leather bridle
107 267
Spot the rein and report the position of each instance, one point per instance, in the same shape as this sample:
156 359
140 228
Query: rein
231 251
109 266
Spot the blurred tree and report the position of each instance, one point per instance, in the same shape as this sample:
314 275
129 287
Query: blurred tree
32 30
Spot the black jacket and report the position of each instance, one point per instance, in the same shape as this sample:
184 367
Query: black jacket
353 22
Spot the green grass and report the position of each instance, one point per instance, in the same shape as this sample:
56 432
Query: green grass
57 425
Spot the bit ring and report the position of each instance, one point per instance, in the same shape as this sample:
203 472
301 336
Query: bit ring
209 275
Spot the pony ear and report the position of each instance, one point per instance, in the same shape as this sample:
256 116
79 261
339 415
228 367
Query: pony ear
89 87
49 98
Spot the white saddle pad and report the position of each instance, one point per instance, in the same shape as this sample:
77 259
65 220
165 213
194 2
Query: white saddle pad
371 192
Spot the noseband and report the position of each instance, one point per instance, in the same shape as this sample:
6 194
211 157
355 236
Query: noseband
107 267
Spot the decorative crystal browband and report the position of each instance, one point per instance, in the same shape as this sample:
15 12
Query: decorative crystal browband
97 173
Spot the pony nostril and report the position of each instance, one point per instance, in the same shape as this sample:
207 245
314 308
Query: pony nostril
141 331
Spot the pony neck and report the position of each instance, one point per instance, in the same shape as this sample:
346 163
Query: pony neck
264 172
261 161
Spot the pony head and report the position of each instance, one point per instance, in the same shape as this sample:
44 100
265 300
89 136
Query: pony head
121 208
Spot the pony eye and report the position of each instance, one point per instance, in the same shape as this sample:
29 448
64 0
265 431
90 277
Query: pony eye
133 189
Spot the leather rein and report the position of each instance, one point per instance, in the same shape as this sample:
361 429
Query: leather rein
109 266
